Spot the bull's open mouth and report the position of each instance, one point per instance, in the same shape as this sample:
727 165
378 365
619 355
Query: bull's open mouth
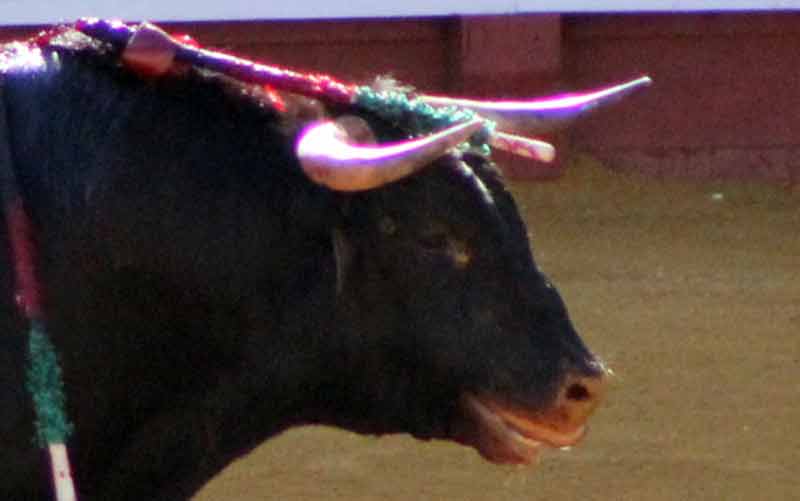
503 435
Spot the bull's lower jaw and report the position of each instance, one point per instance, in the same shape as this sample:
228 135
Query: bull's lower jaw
506 438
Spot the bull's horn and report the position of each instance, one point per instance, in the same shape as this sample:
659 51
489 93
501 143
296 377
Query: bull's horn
543 114
329 157
523 146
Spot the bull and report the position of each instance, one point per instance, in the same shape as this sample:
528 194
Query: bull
216 271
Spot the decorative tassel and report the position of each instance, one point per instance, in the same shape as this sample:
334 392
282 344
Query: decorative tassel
52 426
47 388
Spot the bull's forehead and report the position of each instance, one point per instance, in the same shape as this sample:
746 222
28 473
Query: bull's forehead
463 170
464 198
500 218
486 198
453 189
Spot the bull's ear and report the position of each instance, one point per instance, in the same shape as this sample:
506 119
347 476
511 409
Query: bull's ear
343 257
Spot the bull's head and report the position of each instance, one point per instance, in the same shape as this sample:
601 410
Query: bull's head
497 335
445 255
450 329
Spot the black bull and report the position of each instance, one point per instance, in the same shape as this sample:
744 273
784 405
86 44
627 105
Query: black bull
203 294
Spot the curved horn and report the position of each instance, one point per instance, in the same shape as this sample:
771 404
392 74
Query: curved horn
329 157
544 114
523 146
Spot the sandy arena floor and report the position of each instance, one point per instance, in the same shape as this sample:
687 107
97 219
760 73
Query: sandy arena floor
690 291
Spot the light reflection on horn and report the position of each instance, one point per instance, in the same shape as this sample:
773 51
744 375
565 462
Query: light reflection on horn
329 156
541 115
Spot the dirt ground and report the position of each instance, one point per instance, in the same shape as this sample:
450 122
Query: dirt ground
690 291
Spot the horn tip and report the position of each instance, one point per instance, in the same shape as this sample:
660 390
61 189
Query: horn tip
638 83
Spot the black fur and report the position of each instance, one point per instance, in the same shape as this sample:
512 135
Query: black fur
191 283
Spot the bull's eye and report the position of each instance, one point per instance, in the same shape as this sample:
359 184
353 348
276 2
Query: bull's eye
442 244
460 253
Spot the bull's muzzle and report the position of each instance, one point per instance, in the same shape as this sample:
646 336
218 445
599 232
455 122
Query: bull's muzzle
508 432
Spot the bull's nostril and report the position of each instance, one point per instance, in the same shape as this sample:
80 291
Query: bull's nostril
578 392
579 397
